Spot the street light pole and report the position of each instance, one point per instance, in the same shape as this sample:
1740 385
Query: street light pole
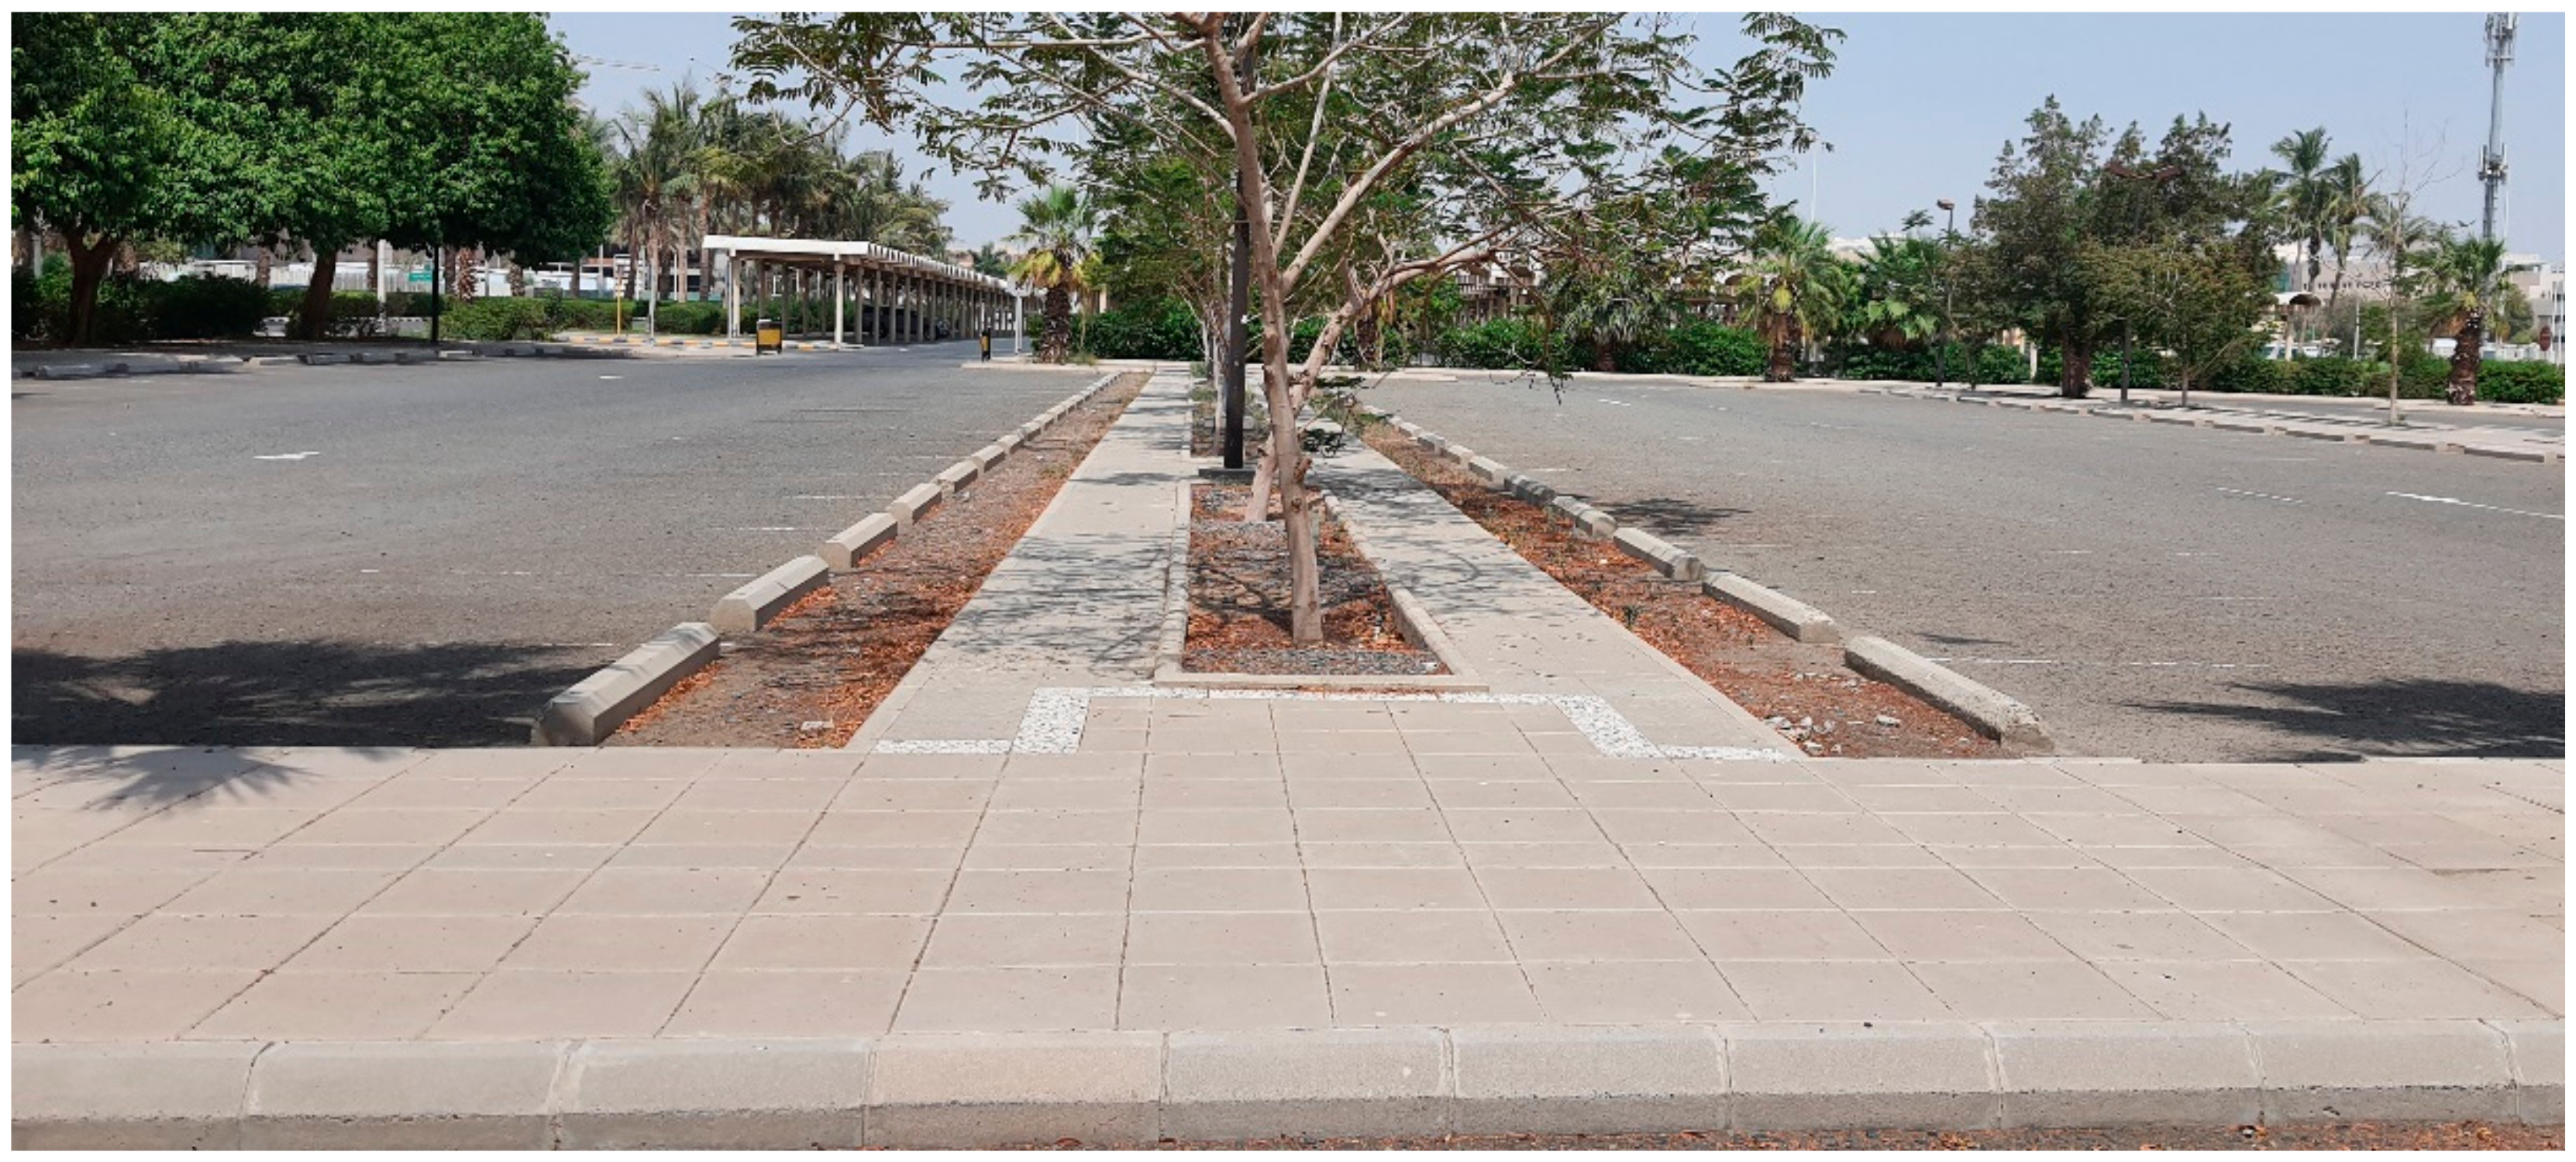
1949 289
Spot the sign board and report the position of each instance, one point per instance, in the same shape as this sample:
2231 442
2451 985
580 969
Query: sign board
417 278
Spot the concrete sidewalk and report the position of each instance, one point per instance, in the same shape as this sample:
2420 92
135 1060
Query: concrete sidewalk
1242 916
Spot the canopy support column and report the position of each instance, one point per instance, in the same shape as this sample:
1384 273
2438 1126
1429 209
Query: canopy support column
840 297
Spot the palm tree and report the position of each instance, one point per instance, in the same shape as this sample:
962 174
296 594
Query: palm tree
2347 204
1896 293
1791 290
1056 225
2306 195
2464 275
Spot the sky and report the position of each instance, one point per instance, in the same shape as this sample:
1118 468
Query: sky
1919 104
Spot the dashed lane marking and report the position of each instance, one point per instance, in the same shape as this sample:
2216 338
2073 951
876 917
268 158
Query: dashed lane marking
2462 504
2261 496
287 456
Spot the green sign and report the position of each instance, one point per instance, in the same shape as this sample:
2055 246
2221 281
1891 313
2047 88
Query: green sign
420 277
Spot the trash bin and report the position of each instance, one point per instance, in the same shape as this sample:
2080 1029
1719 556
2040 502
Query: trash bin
767 335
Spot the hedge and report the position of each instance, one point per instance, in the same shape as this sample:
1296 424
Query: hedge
133 309
1994 365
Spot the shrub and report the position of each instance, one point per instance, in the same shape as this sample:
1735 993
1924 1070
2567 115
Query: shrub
1705 347
1993 364
1155 330
204 307
2246 373
494 319
1494 345
2521 382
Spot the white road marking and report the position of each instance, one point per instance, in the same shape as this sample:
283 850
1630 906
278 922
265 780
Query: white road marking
2466 504
1616 403
824 496
2261 495
612 377
287 456
2000 661
2072 552
767 529
2195 554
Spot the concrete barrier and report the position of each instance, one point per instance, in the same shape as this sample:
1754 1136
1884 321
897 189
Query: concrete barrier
957 476
1585 517
851 545
1989 710
1668 558
988 456
1487 469
750 607
909 507
1787 614
597 705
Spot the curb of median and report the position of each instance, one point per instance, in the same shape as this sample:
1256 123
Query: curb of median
2270 423
597 705
936 1090
1990 711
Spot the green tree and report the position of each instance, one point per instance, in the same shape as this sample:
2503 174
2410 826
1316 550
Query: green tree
1896 293
2462 280
1056 226
1372 151
2307 196
96 147
2197 303
1792 292
2347 204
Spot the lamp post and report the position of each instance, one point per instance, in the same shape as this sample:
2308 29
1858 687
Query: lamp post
1949 284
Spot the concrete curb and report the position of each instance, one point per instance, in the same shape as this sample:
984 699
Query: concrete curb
1990 711
1667 558
1787 614
595 706
2270 423
915 501
851 545
750 607
923 1090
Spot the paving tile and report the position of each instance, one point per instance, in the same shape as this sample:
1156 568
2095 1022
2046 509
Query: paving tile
1905 888
1760 889
1879 855
764 857
809 796
1961 936
1178 740
1370 825
1531 825
518 825
2313 936
1920 800
1431 994
1190 997
547 1006
1484 856
837 943
1219 890
1597 936
882 891
1831 990
38 943
381 1005
2181 855
640 764
1992 990
666 892
1496 739
1972 858
2136 935
2387 889
677 826
2130 828
413 944
578 857
583 792
1260 767
1986 830
1117 857
55 892
911 795
1217 825
1012 941
1664 825
789 1004
2464 933
1363 855
1303 767
1313 794
1058 826
182 827
1180 793
2029 801
895 828
1045 892
1008 1000
1164 856
2076 890
931 766
1213 938
1331 742
2423 987
1779 797
2542 980
1489 794
1419 937
1781 935
1634 993
69 1005
412 825
2229 889
620 943
1022 767
1643 796
1399 889
2220 990
1645 855
203 942
1787 827
1562 888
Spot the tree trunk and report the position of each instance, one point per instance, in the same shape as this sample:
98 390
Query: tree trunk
465 287
316 322
2075 377
1605 355
1784 362
1059 326
2462 389
261 266
89 269
375 269
518 279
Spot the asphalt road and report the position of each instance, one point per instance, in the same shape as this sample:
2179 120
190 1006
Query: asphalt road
2166 593
423 555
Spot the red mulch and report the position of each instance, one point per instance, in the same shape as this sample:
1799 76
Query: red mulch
1239 621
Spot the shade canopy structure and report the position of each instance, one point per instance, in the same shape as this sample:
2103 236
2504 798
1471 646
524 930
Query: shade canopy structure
900 297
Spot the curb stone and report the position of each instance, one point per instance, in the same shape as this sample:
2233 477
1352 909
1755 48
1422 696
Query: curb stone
1134 1088
752 606
1990 711
915 501
1667 558
595 706
957 476
851 545
1799 620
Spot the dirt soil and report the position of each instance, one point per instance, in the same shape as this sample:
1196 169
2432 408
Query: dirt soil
1203 433
1803 691
2348 1136
812 677
1239 599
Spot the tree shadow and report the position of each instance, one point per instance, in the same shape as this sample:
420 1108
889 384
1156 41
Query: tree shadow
302 693
1672 516
2414 716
